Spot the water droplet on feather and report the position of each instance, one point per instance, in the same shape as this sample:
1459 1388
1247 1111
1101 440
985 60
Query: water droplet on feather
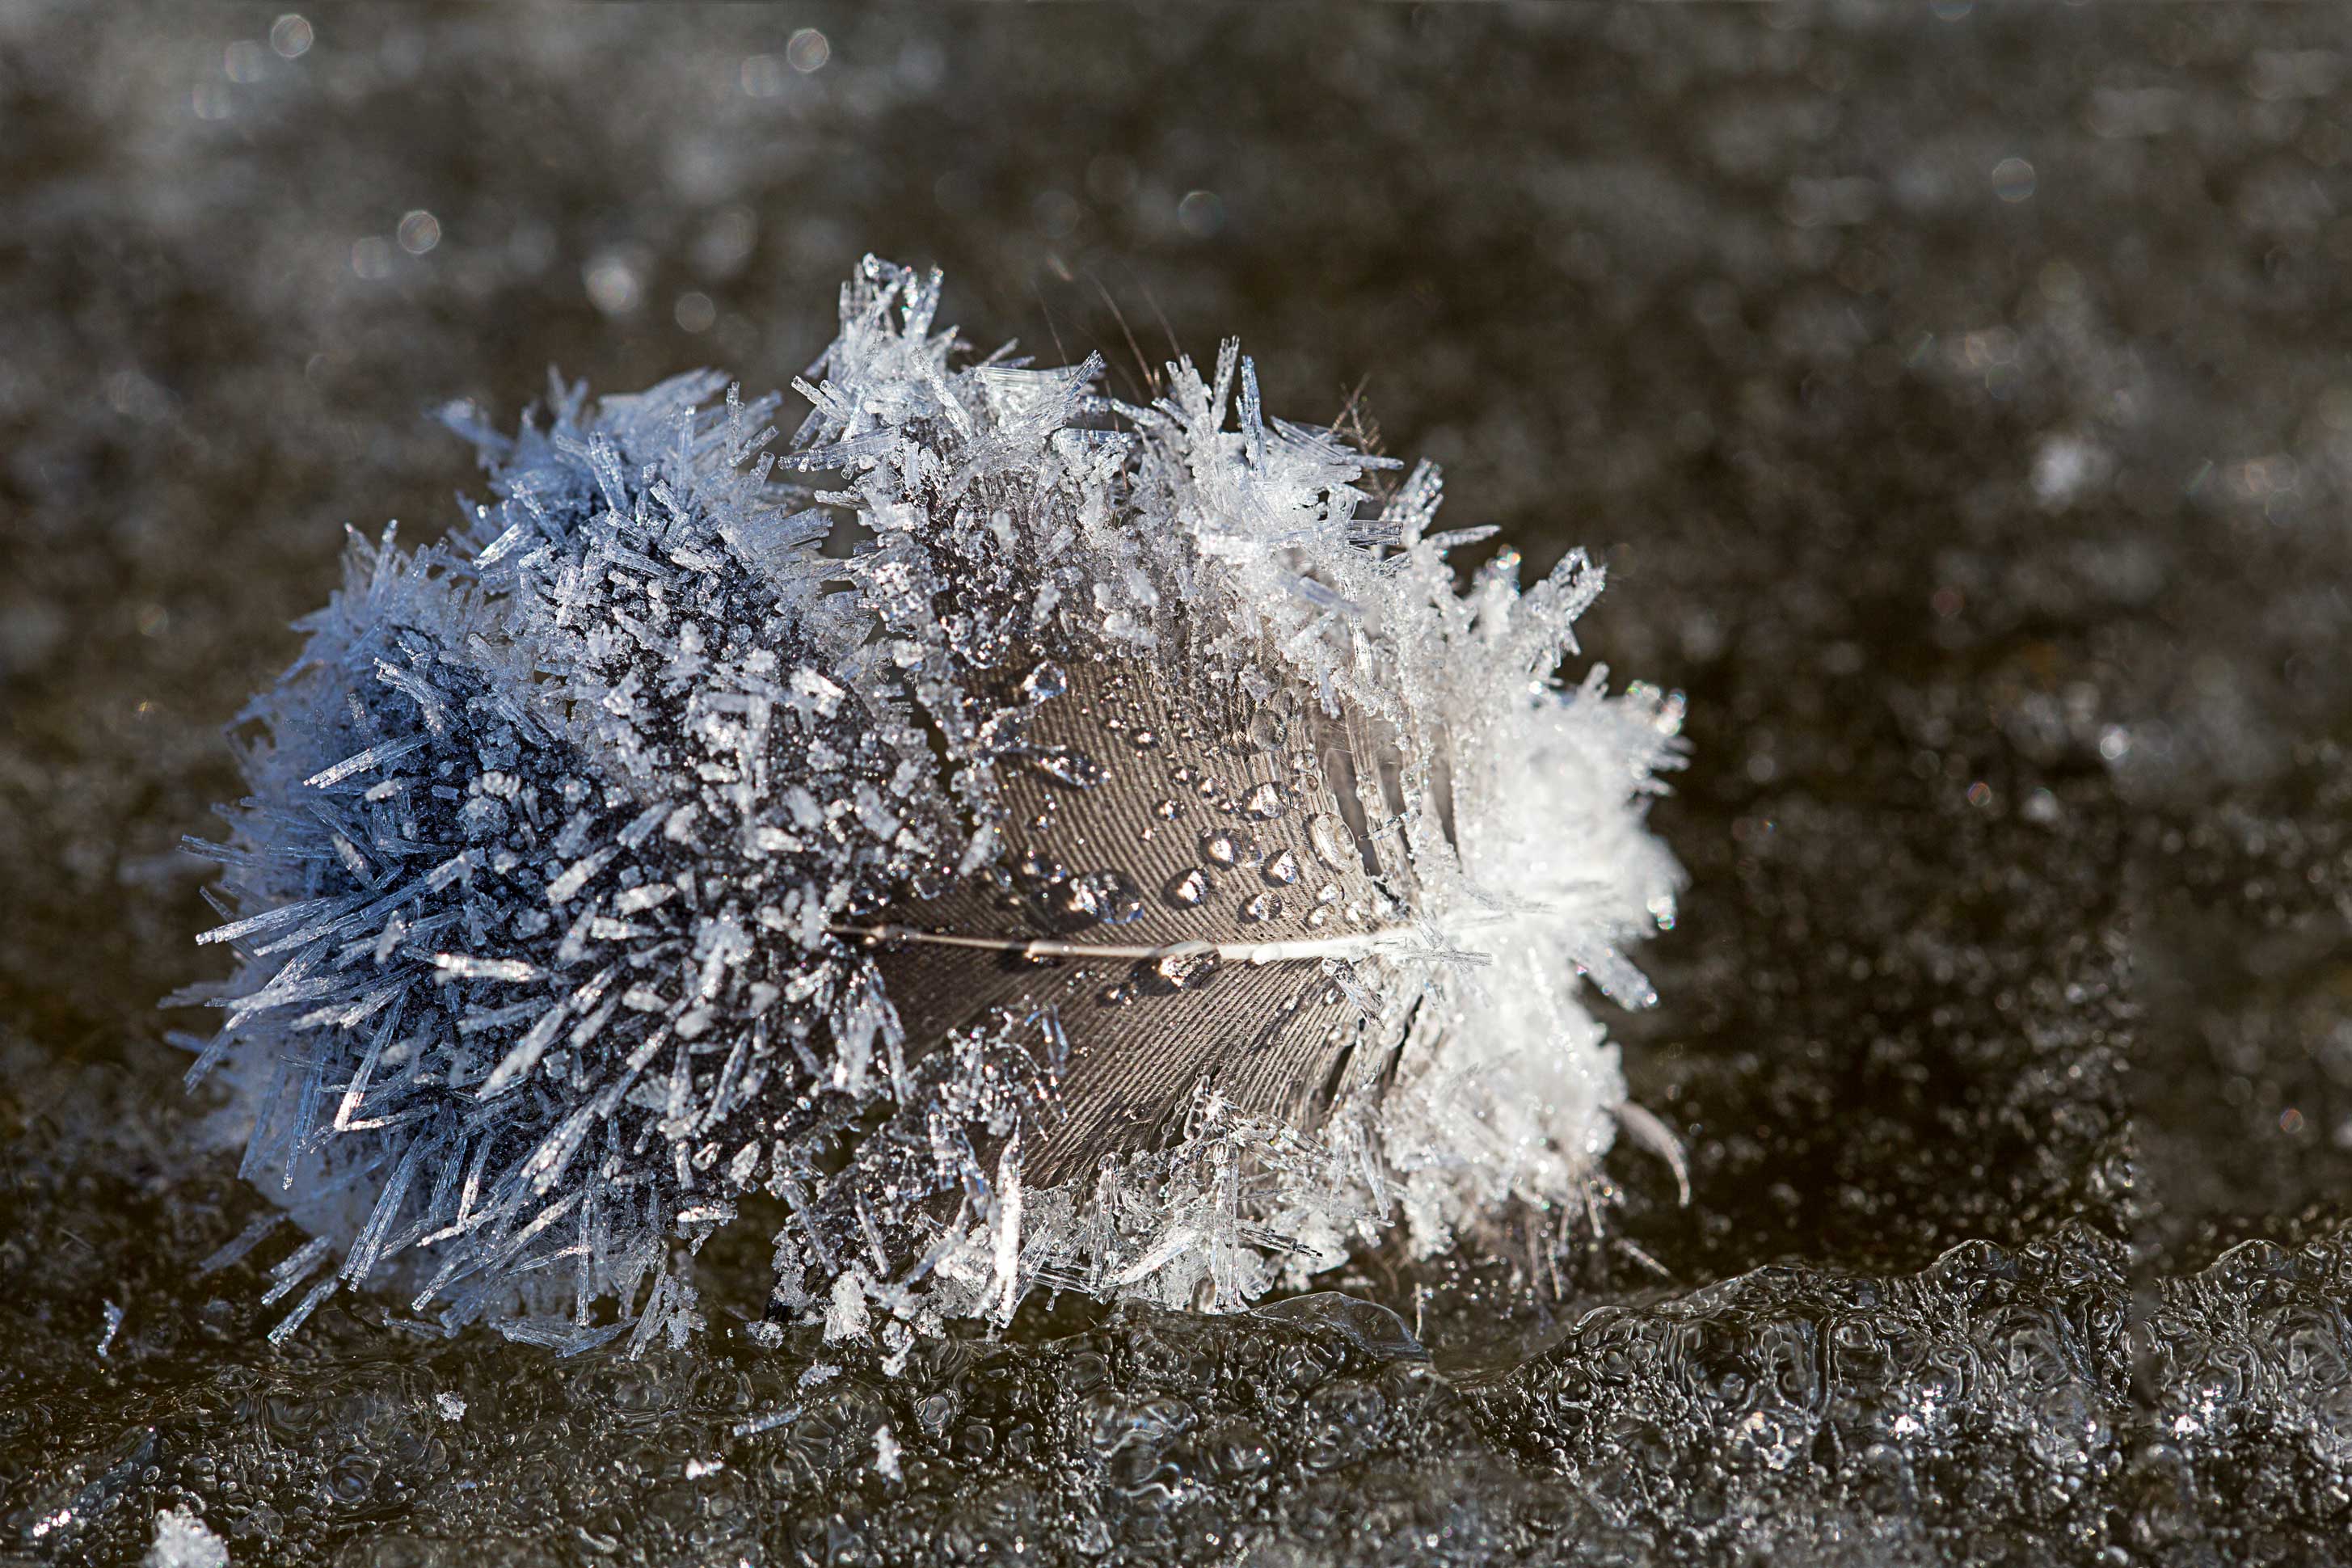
1097 898
1047 680
1187 888
1067 766
1329 838
1188 967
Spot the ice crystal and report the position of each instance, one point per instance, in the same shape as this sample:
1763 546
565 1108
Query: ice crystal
1042 840
183 1540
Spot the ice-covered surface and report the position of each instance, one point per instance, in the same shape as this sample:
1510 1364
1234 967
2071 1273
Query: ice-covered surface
1958 407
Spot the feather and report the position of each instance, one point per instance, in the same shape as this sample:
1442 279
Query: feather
1138 863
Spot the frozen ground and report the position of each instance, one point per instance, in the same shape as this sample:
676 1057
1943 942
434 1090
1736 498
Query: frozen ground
1961 406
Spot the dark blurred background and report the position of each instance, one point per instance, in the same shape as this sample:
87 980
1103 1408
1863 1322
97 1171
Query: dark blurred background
1958 395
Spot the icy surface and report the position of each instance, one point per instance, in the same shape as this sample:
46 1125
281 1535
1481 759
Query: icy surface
1994 536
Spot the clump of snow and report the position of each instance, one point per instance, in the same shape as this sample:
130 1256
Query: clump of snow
846 1317
2067 467
183 1540
591 855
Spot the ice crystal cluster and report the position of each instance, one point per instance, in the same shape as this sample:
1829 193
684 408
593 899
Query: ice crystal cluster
1015 837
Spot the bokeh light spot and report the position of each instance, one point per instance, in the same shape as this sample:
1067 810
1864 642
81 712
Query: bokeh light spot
372 258
419 231
291 36
808 50
1199 214
614 286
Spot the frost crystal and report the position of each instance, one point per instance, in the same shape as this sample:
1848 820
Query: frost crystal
183 1540
1039 841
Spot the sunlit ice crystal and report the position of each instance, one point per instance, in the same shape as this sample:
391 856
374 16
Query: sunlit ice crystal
1038 840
